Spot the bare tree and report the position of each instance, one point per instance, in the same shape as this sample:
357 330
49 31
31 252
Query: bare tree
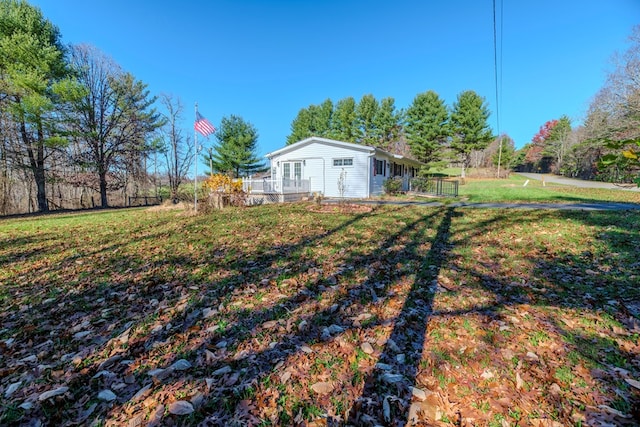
110 114
177 150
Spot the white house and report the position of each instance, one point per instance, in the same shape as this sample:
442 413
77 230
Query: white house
340 169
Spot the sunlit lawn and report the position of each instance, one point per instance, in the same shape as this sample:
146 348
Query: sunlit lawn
514 189
283 315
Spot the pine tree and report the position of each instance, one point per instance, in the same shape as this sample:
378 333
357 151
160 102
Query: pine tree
366 112
469 126
427 126
235 153
31 62
388 124
344 123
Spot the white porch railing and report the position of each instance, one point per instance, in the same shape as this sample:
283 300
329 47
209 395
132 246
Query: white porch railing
275 186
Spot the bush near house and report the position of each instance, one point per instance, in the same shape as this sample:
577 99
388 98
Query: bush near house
224 191
393 186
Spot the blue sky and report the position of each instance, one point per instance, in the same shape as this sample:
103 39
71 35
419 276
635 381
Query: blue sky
265 60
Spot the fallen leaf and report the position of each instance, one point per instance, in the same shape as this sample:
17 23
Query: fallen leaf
386 409
418 393
366 347
156 417
412 418
53 393
391 378
322 387
487 374
224 370
284 377
80 335
181 407
519 382
181 365
107 395
142 393
383 366
614 411
633 383
12 388
270 324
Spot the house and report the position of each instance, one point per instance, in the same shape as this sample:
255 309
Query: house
339 169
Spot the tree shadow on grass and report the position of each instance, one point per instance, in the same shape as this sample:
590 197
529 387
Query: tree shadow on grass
388 389
263 337
560 319
171 295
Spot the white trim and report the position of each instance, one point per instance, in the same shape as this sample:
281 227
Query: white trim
325 141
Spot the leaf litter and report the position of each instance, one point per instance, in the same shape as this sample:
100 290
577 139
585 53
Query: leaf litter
287 316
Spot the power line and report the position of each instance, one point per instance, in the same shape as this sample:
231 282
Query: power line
495 65
498 82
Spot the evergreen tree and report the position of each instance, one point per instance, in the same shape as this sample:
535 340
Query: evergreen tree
388 124
31 61
427 126
300 127
321 118
504 159
366 112
312 121
344 121
235 153
469 126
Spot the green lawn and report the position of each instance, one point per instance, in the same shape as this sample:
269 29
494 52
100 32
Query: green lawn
513 190
283 315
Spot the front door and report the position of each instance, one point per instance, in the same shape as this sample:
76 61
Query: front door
291 174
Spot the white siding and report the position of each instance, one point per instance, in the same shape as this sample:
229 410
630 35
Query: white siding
355 175
317 155
318 166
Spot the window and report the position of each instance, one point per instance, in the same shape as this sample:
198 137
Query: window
343 162
380 167
297 171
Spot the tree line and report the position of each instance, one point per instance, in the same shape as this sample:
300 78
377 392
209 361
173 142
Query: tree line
606 146
69 113
428 129
74 124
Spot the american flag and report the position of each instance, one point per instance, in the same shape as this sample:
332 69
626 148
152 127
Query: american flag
203 125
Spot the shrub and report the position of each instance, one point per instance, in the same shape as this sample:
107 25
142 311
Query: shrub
224 191
393 186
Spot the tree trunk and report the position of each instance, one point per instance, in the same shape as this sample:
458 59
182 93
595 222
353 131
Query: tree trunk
36 163
41 193
102 176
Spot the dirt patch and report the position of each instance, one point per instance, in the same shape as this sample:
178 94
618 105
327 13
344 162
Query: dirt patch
168 206
340 208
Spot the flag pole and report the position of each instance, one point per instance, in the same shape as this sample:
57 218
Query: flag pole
195 180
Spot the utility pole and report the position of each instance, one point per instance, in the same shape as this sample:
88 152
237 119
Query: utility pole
499 156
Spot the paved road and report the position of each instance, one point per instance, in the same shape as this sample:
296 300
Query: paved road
578 182
602 206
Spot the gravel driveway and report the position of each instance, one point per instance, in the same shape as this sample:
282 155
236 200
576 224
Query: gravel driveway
578 182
